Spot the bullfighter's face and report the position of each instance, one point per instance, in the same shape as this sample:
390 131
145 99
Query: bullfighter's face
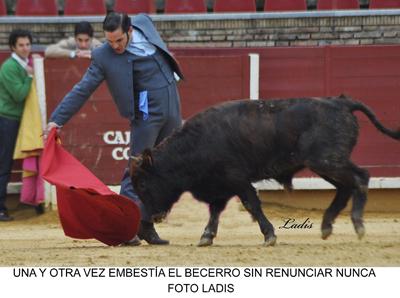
119 39
141 172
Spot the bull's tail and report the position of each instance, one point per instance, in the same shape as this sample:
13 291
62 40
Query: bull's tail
358 106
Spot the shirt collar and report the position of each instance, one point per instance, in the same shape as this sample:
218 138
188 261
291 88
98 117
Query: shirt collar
21 61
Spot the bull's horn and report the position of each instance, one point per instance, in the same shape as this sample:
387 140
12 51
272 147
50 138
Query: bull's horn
135 158
135 162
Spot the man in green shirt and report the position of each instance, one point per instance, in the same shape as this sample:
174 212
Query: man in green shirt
15 82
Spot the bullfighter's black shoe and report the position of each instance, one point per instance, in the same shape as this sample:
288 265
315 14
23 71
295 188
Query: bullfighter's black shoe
148 233
5 217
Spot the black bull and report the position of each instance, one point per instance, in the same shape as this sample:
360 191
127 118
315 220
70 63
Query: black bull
219 152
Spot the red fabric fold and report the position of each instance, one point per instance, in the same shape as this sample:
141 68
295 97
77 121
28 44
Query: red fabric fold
87 207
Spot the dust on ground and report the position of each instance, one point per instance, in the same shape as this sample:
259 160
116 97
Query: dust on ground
32 240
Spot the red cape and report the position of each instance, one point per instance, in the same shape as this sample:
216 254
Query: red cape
86 206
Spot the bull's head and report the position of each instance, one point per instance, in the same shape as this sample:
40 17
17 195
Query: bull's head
141 170
140 163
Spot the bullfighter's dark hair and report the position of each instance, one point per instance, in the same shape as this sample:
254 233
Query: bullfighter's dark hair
17 33
83 28
115 20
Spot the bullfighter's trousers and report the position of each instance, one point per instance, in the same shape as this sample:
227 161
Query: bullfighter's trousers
164 116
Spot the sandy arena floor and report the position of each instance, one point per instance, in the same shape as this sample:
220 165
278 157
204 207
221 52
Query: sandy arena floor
32 240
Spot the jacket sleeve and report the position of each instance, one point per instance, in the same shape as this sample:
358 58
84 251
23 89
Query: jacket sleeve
58 50
79 94
18 87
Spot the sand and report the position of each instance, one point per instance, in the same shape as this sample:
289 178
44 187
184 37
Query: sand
32 240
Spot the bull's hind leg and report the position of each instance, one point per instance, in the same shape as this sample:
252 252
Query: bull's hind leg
349 180
252 203
343 194
359 199
211 229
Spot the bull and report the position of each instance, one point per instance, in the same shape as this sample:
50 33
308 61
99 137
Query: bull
221 151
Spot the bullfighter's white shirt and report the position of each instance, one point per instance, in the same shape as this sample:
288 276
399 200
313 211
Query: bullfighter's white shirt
139 45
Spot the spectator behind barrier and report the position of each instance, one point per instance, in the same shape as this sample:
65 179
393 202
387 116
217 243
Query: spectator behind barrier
81 45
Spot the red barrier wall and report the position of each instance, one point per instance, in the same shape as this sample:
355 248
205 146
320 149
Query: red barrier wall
368 73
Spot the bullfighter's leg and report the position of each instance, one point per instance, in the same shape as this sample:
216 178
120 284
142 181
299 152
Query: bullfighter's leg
359 199
211 229
163 117
252 204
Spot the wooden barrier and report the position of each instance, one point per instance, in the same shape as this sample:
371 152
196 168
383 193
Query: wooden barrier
97 135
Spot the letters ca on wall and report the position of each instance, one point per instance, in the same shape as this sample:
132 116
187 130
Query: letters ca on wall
120 140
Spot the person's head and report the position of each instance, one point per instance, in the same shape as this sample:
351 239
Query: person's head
20 42
83 35
117 28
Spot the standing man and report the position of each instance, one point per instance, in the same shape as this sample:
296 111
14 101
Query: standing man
139 71
79 46
15 83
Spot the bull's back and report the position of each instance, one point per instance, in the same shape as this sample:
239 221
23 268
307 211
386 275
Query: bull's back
256 132
267 122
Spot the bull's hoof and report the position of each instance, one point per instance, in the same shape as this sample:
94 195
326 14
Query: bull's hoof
204 241
326 232
326 228
360 230
270 241
359 227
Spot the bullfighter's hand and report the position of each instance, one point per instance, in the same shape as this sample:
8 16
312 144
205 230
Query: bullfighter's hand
49 127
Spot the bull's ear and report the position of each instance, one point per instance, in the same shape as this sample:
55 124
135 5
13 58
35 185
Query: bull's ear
147 159
134 165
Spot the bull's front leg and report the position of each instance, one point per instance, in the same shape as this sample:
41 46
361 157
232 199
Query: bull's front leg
211 229
252 204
